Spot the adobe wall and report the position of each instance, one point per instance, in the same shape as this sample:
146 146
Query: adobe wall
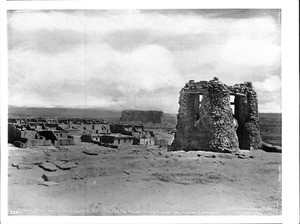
211 125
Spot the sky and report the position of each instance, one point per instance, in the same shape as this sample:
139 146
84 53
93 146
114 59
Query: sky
139 59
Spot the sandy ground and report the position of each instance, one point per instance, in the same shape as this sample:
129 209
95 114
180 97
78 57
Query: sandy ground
140 180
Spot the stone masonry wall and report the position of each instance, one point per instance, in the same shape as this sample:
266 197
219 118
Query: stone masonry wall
185 121
246 111
210 124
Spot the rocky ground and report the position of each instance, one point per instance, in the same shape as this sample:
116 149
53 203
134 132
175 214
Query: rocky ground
87 179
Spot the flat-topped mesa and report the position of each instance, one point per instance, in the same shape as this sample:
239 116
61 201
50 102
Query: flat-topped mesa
205 120
139 116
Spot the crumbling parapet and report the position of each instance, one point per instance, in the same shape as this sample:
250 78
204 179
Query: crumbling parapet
205 120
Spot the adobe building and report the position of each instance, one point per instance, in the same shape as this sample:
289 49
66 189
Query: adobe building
118 139
25 138
206 120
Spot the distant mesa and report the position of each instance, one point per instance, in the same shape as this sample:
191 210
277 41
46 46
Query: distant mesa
139 116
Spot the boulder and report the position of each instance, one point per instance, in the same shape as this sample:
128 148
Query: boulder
48 166
23 166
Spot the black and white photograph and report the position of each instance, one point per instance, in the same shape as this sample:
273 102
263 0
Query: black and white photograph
144 112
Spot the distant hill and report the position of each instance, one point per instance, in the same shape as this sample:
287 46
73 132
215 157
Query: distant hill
108 115
271 128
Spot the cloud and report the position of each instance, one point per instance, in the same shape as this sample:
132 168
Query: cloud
47 41
269 94
271 84
109 22
95 74
138 59
251 52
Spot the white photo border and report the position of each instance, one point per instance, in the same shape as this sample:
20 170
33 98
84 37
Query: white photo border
290 107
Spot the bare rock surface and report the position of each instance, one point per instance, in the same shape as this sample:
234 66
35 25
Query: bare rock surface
124 182
48 166
23 166
67 166
56 162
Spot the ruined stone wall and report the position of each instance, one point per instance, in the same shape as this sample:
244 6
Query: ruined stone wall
246 111
185 122
216 117
210 124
